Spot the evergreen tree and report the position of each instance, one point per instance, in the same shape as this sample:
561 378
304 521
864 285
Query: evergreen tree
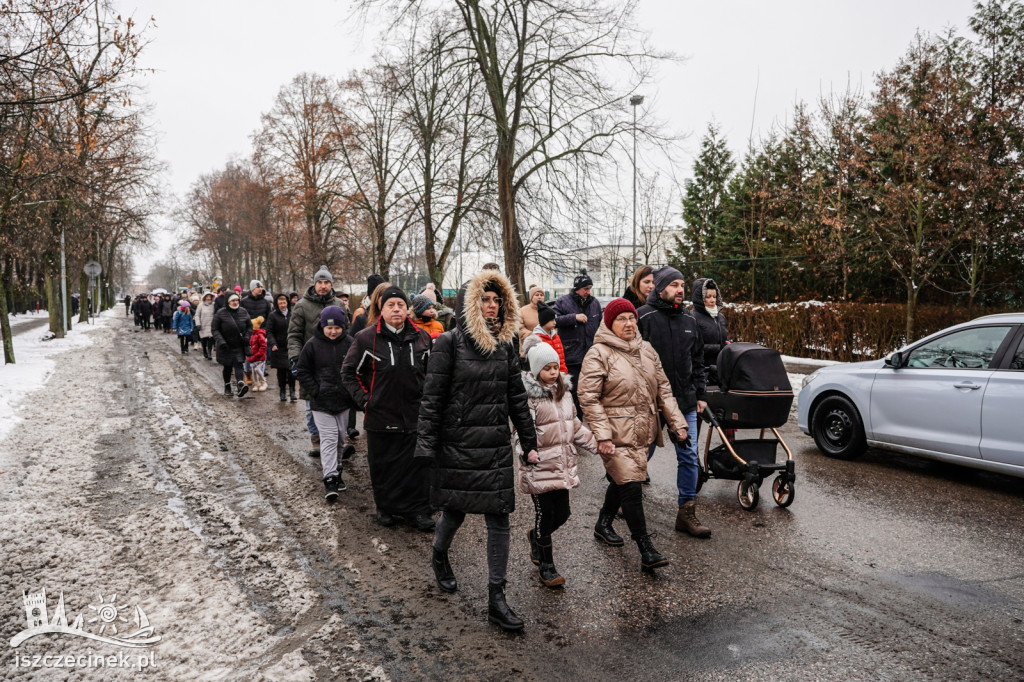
704 199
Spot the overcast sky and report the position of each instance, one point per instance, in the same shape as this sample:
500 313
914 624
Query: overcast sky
219 63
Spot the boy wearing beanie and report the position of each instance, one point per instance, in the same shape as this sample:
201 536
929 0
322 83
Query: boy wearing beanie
424 311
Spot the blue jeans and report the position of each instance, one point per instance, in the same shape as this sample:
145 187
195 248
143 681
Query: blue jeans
686 460
310 424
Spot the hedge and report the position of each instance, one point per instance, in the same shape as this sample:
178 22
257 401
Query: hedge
836 331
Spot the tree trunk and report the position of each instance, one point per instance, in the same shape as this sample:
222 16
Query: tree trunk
5 322
83 300
53 304
911 310
510 240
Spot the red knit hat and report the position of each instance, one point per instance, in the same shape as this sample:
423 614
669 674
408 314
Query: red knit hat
615 308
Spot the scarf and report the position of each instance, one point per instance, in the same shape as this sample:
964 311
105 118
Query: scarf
712 311
493 325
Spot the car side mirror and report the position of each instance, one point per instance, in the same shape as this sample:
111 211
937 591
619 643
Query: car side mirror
895 360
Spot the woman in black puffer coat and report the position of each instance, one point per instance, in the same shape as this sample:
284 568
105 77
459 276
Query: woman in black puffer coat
277 344
473 388
231 332
714 328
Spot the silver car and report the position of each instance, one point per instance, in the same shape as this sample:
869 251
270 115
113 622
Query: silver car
956 396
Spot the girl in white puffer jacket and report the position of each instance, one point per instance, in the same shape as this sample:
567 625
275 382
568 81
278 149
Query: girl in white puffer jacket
559 432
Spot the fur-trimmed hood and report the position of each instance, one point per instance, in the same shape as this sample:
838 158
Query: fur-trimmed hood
535 390
473 322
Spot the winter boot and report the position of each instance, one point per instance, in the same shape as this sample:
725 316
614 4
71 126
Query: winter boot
347 452
291 394
687 522
242 388
443 572
283 396
650 558
498 610
534 550
331 486
314 444
353 434
227 389
248 378
604 531
423 522
548 573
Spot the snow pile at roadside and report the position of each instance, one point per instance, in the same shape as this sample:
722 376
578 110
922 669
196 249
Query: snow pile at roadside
35 360
22 318
810 362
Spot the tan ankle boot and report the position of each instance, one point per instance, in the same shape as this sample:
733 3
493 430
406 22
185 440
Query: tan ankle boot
687 522
248 378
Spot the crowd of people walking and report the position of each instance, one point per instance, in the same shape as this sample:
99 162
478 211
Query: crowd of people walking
464 406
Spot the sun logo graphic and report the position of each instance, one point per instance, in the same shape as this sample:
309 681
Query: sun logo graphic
114 627
108 614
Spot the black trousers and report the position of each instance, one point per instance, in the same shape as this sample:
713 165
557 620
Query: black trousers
400 483
286 378
183 342
228 369
630 497
551 510
207 342
574 373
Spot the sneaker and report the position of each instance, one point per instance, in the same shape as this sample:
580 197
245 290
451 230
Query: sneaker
348 451
341 484
242 389
331 488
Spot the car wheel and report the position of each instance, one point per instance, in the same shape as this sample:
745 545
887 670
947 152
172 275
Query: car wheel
837 429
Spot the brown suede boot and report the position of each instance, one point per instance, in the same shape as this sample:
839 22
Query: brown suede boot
314 445
248 378
686 521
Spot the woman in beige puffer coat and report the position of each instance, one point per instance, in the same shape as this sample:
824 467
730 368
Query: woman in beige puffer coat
622 390
549 475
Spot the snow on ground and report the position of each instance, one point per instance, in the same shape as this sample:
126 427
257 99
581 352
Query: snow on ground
35 359
20 319
813 362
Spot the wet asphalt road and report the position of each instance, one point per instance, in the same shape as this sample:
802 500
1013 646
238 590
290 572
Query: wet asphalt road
885 568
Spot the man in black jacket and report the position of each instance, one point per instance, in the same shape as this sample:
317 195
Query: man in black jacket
675 335
256 304
384 372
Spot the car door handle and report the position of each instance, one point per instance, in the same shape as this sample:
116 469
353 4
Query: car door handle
967 384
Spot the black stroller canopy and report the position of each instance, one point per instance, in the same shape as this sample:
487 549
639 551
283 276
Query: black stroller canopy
752 367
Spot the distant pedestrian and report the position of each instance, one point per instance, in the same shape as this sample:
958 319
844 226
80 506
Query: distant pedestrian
221 300
127 304
528 315
474 387
640 286
277 343
204 320
319 372
182 324
359 322
548 476
547 332
257 304
578 317
232 330
257 359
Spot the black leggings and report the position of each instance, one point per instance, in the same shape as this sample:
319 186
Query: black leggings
227 373
551 510
630 497
286 378
183 342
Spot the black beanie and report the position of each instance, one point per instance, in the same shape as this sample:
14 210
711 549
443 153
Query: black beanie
582 280
665 276
393 292
372 282
544 314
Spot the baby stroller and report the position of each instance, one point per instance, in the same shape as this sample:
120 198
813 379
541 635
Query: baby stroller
754 393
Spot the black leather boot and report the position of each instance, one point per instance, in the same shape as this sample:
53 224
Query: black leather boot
443 571
227 389
604 531
291 394
534 552
283 396
650 558
548 573
498 611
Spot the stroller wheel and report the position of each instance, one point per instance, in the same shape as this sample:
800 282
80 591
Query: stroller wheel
748 495
783 492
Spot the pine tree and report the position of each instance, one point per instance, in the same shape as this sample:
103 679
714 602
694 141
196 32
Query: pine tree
704 199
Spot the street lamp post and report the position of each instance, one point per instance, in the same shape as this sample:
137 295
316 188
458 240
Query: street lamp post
634 101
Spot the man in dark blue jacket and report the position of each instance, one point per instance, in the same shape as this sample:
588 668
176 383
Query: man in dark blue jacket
577 316
675 335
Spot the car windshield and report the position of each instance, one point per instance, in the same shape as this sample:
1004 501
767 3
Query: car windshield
965 349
